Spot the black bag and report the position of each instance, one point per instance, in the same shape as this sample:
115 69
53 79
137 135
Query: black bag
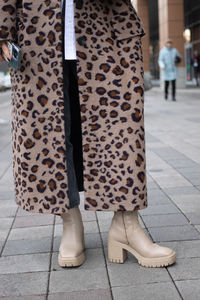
177 60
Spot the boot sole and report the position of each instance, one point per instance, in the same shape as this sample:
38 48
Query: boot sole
71 261
117 253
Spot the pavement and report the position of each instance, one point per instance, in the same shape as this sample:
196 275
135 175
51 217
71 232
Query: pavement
29 242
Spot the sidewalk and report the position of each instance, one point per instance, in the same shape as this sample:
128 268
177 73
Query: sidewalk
29 242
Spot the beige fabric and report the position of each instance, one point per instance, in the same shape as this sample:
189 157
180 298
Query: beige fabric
110 76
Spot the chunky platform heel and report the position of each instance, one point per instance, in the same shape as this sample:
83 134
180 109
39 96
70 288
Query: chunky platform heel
126 234
116 253
72 246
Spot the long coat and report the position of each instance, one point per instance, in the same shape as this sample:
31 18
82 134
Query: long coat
111 90
167 59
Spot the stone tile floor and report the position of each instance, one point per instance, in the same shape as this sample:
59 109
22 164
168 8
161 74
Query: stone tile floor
29 242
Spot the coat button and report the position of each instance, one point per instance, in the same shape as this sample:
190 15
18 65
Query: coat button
82 40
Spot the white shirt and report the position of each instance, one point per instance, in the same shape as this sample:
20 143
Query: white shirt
69 30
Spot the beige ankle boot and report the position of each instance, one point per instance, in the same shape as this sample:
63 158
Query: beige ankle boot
126 234
71 251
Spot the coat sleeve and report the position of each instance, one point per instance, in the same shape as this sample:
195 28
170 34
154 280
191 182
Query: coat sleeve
161 60
7 20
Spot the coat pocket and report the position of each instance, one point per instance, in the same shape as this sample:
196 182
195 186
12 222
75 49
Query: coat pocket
122 28
125 22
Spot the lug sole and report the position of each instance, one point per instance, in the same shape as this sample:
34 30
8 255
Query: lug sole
117 253
71 261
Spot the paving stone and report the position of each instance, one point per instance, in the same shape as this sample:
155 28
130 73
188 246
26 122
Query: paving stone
92 240
192 177
185 268
174 233
7 204
187 203
100 294
181 163
160 209
195 168
24 298
198 187
77 279
189 172
94 260
150 138
104 225
157 194
184 248
8 211
88 216
35 220
169 153
24 263
7 195
31 233
172 181
162 200
102 215
164 174
23 284
1 246
22 213
5 223
27 246
165 220
197 227
188 190
157 197
194 181
3 234
189 289
158 291
6 187
152 185
194 217
131 273
4 166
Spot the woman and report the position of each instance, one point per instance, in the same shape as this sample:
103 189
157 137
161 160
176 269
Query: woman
107 130
167 63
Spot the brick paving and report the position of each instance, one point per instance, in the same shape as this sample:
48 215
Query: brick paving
29 242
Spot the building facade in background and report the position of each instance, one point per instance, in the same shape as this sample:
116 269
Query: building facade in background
178 20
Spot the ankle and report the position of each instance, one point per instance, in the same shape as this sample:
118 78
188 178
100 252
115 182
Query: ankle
70 211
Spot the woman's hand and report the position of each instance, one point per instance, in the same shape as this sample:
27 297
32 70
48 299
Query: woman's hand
5 50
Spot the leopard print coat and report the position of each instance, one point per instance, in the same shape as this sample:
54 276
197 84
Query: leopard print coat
110 79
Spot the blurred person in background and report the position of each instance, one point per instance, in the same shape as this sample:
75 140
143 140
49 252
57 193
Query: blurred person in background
195 62
168 59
